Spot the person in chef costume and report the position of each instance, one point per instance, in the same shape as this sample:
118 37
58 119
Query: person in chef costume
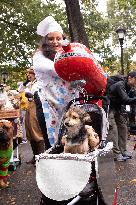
54 92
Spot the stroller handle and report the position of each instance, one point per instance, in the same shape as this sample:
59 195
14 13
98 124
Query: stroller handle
77 157
87 98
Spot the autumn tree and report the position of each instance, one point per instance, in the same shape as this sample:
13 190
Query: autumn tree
122 13
19 19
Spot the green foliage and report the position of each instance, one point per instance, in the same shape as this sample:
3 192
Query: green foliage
122 13
95 25
19 19
15 75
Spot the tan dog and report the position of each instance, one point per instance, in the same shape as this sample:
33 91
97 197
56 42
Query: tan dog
6 149
79 137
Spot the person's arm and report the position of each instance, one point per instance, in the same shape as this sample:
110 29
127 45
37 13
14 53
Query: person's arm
21 88
55 149
40 63
26 82
121 92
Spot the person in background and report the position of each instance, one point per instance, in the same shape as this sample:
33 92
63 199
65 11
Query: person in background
41 119
23 107
54 92
132 115
118 130
33 131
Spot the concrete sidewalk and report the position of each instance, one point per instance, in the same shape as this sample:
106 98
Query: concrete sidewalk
126 177
23 189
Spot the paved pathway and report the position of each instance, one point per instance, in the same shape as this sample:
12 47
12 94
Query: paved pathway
23 189
126 175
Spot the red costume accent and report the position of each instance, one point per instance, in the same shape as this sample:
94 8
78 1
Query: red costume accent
76 62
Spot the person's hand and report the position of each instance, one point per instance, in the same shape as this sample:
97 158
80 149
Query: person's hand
77 83
26 82
102 144
29 95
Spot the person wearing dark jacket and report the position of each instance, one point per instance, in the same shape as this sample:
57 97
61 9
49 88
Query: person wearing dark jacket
132 114
119 98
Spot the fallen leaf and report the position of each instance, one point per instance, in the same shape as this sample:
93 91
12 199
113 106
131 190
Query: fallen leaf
13 199
29 173
13 203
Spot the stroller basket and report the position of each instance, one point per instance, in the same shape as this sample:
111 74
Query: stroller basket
62 177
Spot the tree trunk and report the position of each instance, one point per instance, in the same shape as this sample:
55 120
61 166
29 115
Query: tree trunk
75 21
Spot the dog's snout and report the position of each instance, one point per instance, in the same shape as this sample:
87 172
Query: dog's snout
66 124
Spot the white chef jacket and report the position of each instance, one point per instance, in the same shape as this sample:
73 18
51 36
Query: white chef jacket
54 93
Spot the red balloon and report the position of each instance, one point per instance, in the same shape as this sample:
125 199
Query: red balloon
76 62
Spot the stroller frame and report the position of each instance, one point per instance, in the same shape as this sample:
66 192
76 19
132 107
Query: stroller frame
57 147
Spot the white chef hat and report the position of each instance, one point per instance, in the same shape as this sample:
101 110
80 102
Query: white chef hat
48 25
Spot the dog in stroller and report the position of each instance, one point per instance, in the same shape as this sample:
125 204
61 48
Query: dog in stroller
83 121
79 137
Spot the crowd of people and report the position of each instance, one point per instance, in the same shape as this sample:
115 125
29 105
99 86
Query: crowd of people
50 94
44 96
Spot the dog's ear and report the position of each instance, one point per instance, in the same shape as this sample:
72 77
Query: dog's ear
86 118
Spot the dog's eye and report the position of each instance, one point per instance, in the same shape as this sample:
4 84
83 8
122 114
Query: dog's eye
74 117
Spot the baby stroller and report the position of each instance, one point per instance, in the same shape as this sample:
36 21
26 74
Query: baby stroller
76 179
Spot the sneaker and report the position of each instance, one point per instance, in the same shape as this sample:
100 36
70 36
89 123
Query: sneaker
120 158
127 154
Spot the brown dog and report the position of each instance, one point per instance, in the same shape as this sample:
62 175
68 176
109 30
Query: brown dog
6 149
79 137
